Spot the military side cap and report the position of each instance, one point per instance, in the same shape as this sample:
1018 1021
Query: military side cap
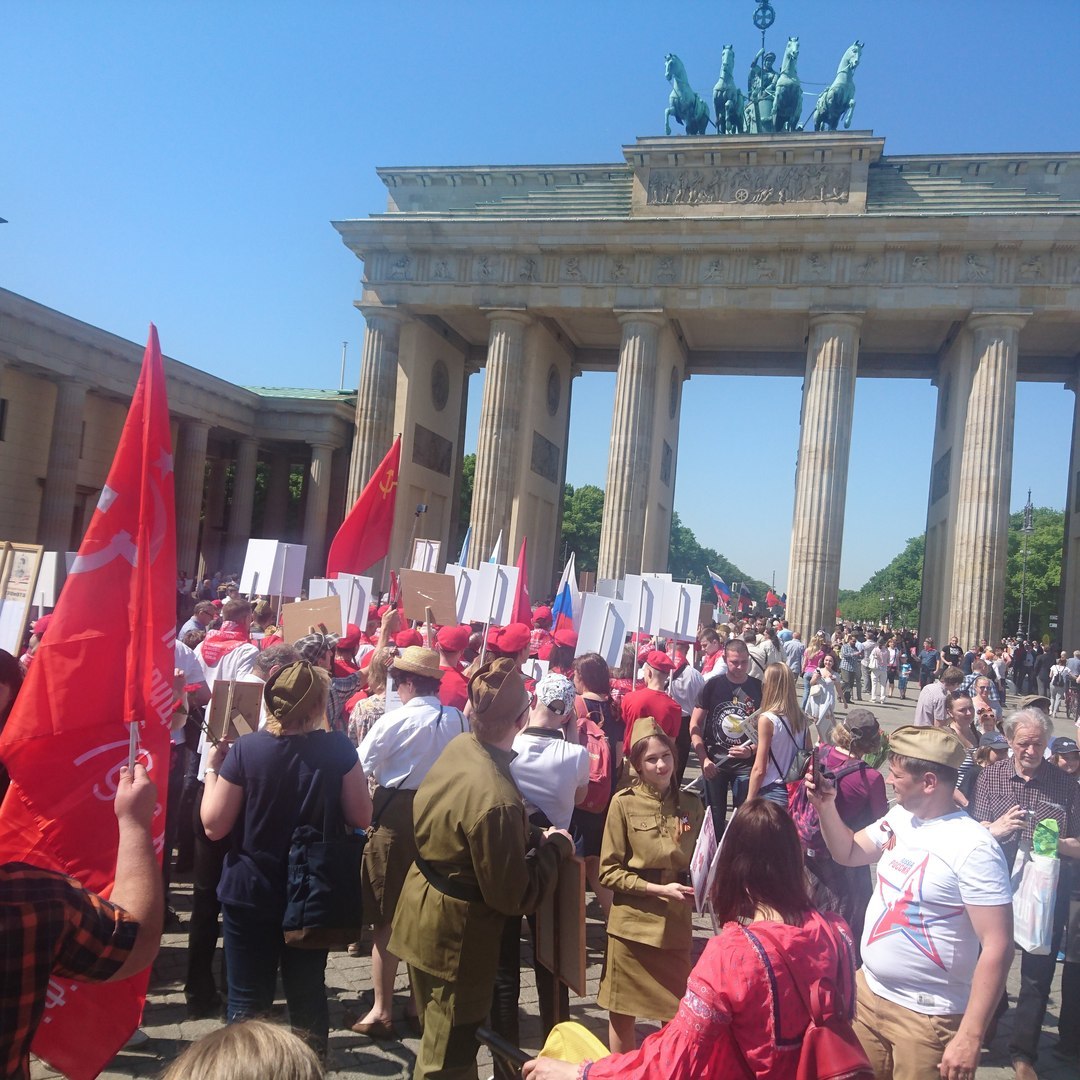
1036 701
645 727
497 692
287 690
928 744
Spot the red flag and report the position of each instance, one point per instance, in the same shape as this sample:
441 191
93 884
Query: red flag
771 599
107 661
364 536
522 603
838 615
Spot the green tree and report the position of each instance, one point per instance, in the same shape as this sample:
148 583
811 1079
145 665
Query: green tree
468 477
688 560
1042 583
901 579
583 512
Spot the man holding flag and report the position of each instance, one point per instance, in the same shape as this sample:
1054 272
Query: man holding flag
100 689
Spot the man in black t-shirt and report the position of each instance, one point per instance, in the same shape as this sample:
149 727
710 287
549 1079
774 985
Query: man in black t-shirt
718 731
952 654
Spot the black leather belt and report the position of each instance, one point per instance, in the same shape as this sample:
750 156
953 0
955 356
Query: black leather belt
459 890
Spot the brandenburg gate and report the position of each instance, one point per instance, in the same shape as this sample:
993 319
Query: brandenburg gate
810 254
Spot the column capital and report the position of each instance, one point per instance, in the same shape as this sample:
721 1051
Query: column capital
392 314
652 316
190 423
1005 320
518 315
845 318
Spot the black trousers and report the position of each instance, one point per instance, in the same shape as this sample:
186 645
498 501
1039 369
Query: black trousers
504 1003
178 756
200 988
682 749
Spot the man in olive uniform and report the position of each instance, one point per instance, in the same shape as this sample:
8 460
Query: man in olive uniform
479 862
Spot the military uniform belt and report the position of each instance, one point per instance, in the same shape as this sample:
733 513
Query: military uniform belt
459 890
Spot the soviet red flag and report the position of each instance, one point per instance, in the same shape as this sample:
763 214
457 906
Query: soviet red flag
107 662
364 536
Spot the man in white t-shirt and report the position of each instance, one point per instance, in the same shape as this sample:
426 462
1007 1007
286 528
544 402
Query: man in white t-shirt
937 942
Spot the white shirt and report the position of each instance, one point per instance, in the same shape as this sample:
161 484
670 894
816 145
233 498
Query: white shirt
685 688
404 743
919 948
548 770
234 664
783 747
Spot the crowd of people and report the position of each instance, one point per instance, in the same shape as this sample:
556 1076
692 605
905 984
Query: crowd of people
474 774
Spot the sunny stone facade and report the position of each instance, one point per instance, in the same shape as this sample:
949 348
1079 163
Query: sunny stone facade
810 255
64 393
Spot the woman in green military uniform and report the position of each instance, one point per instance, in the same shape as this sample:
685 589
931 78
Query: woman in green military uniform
645 858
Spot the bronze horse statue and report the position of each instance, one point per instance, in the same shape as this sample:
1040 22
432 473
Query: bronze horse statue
683 104
728 100
838 101
787 109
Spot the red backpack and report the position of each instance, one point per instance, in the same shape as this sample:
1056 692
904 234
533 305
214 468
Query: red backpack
805 816
830 1048
601 768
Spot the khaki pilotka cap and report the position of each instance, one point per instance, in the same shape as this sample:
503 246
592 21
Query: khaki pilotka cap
928 744
287 690
497 692
645 727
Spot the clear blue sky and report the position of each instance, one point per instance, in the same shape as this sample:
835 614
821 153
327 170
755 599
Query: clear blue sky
181 163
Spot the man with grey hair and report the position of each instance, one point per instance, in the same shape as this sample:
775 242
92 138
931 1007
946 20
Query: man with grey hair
1011 797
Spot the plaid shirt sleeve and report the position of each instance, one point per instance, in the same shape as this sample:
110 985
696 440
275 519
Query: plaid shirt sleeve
50 925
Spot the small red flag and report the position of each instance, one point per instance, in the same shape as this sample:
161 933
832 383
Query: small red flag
771 599
364 536
107 661
522 603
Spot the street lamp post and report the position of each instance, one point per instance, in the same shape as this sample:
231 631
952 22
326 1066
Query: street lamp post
1027 529
891 599
881 612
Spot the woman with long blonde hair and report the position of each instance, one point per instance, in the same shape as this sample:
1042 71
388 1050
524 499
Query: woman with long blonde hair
782 731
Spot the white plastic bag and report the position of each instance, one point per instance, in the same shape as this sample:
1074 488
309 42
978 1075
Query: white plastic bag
1035 879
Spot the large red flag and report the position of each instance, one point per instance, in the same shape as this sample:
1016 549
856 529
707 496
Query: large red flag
522 603
364 536
106 662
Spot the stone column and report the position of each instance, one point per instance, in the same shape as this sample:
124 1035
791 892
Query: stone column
315 509
980 542
58 498
622 532
190 459
1068 631
213 536
498 447
243 498
817 527
375 398
276 507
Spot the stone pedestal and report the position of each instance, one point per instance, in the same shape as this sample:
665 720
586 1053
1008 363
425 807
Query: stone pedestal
315 509
980 546
375 396
499 441
190 461
817 527
58 499
243 497
622 531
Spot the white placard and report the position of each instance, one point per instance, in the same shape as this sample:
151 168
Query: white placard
679 610
272 568
608 587
50 580
494 595
605 624
658 577
318 587
355 595
644 594
534 669
465 583
425 555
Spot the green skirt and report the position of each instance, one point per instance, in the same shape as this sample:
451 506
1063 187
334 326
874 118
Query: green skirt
642 980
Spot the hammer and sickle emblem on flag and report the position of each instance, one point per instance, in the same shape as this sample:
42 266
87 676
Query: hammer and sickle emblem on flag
389 482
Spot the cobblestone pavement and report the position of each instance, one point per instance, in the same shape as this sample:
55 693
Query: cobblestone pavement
349 983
